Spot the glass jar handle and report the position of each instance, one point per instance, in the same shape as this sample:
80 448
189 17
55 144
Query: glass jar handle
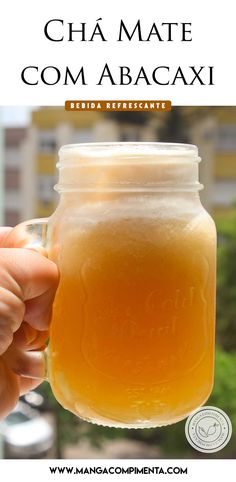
32 234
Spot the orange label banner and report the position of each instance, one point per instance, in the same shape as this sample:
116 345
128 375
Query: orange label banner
118 105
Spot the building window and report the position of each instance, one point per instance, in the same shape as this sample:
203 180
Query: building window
82 135
226 138
47 142
224 192
129 133
12 178
12 156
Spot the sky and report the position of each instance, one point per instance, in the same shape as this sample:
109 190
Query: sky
15 116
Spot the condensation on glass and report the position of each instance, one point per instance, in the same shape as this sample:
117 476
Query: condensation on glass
132 332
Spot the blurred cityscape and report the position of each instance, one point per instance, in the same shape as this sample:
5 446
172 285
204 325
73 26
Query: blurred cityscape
39 427
29 154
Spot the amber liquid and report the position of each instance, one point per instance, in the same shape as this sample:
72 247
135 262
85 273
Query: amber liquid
132 334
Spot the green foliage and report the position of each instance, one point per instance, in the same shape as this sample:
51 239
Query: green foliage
223 396
97 434
226 285
66 422
224 392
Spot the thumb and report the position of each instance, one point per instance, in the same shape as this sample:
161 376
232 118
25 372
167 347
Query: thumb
31 364
27 273
30 278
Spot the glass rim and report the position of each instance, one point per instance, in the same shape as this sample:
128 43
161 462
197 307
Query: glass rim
133 151
82 166
173 146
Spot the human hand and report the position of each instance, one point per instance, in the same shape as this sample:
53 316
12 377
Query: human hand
28 283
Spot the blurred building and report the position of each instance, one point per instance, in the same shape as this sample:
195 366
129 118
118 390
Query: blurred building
13 162
31 154
224 171
53 127
214 132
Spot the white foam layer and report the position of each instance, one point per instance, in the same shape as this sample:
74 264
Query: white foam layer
126 153
127 166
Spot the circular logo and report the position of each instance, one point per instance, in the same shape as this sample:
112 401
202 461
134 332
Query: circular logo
208 429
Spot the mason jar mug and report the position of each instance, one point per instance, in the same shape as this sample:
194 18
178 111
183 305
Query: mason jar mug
132 331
